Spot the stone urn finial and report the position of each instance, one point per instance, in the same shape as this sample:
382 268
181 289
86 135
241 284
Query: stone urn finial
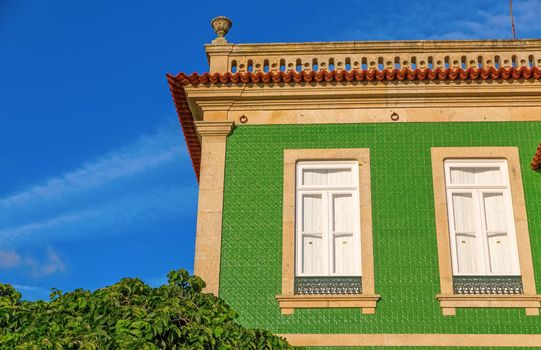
221 26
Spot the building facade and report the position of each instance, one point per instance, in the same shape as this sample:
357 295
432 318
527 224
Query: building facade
370 194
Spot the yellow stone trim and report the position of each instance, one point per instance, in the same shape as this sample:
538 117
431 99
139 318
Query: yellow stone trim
366 102
448 300
205 128
531 303
208 239
455 53
288 301
448 340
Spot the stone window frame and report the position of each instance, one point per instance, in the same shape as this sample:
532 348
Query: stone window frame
288 301
447 299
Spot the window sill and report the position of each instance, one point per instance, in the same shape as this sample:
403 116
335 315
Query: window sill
449 302
367 303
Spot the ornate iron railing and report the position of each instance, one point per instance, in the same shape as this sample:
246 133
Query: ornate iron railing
328 285
487 285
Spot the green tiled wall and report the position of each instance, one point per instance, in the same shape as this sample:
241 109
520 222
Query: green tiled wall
405 255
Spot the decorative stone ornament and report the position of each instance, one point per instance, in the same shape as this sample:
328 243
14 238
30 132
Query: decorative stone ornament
221 26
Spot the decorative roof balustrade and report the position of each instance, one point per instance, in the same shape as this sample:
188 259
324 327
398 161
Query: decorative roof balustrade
373 55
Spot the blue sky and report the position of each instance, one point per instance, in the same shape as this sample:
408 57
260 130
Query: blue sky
95 180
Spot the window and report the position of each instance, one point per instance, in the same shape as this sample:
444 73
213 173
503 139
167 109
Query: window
484 253
480 214
327 220
327 230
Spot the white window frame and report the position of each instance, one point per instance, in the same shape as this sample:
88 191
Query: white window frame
327 193
477 192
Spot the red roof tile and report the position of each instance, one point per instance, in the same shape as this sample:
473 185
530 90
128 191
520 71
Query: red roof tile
489 73
536 162
177 83
186 122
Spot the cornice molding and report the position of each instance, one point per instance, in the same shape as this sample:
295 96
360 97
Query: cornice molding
332 96
397 46
213 128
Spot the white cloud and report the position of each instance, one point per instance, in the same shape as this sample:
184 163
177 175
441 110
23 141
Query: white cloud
527 17
33 292
25 287
9 258
492 25
147 152
105 194
482 20
52 263
137 207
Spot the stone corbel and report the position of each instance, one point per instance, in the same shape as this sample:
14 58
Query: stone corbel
213 128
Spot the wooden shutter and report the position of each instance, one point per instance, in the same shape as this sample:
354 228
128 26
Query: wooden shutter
466 240
342 232
496 227
312 234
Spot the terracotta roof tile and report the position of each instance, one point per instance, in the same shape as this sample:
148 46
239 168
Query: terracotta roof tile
488 73
177 83
186 122
536 162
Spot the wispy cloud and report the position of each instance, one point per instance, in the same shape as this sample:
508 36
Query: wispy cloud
25 287
33 292
140 207
112 191
10 259
496 23
483 20
51 265
148 152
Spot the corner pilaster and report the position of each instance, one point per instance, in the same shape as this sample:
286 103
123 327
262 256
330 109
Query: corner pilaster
213 136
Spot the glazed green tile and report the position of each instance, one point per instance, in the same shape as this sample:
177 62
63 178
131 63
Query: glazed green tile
405 251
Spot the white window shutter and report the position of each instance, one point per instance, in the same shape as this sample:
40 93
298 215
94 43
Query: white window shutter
481 225
327 219
312 234
312 255
344 259
342 232
463 213
312 213
467 258
465 235
497 233
499 253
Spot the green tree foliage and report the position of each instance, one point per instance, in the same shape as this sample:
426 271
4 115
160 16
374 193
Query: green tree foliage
128 315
